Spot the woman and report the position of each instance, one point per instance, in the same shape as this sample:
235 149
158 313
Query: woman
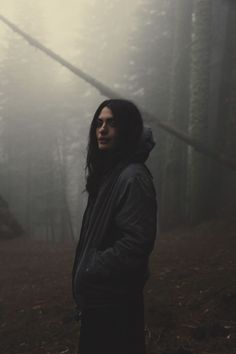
117 234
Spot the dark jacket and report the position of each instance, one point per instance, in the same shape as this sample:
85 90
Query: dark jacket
117 234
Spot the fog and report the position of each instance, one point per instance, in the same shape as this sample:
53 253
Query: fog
176 60
143 50
43 93
69 29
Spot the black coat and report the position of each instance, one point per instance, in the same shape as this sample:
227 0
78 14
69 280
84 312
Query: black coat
117 236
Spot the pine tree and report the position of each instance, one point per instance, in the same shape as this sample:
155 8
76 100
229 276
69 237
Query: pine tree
174 170
198 174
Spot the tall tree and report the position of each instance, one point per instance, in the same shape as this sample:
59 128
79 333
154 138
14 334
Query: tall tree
148 73
198 174
227 111
174 169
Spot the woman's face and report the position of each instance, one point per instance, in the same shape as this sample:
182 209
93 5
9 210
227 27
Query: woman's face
106 130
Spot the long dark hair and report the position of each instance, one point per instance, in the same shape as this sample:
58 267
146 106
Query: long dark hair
130 126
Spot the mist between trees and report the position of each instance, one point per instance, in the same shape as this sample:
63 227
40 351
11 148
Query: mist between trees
175 58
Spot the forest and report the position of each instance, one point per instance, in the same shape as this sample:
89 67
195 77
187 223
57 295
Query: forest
176 60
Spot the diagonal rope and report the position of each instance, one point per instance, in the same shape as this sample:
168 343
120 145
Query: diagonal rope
108 92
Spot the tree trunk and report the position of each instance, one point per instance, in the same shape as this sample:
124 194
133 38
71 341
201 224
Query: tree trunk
227 113
197 207
66 220
174 182
28 201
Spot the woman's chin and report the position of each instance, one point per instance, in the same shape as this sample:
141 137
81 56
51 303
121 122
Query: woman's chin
104 147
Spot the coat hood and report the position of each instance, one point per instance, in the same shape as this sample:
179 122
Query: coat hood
146 144
141 154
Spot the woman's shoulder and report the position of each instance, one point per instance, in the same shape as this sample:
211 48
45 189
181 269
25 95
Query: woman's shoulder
136 180
135 170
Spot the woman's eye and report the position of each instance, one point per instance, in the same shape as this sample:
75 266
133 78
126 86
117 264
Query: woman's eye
112 122
99 123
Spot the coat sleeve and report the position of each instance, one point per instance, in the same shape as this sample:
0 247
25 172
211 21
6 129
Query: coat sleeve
136 222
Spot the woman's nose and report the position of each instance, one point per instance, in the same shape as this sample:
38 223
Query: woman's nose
103 127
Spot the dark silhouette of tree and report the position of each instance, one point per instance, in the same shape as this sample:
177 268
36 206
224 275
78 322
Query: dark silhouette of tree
174 170
198 174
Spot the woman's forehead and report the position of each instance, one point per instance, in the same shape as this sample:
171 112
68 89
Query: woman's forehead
105 113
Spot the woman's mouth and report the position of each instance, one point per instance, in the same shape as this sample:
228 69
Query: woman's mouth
103 141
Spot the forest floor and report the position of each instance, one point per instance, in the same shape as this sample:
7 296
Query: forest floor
190 298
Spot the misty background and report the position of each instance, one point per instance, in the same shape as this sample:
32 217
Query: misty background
172 58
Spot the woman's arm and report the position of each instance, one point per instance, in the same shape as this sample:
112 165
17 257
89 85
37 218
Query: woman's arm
136 221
